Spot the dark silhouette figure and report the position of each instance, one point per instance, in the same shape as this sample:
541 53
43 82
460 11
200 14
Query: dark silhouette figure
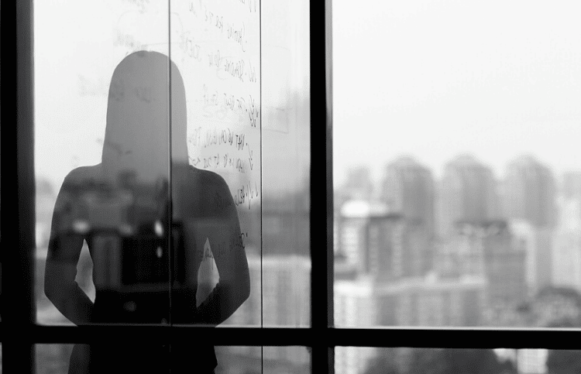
149 219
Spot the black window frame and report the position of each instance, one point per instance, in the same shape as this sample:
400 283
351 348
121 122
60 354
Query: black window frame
18 329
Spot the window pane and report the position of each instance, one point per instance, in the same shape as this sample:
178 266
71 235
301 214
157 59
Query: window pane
55 359
457 185
286 360
451 361
286 264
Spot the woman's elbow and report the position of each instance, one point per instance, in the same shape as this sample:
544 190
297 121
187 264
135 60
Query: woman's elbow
245 291
52 291
55 285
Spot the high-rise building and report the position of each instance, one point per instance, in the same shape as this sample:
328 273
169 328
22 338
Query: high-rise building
505 267
381 244
532 361
537 242
571 185
529 192
354 223
408 188
566 264
419 301
488 250
358 184
467 193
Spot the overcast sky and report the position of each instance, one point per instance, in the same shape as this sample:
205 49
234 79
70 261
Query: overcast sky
430 79
433 79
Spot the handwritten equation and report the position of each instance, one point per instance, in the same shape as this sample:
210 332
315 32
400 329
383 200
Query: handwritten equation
218 49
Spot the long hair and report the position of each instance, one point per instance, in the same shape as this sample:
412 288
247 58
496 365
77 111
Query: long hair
146 114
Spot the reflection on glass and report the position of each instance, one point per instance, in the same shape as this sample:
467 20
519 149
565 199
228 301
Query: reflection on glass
458 184
352 360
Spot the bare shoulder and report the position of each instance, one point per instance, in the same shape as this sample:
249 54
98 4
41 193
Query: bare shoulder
81 177
83 174
205 181
203 191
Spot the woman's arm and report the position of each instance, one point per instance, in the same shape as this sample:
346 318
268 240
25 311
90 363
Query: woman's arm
64 250
222 230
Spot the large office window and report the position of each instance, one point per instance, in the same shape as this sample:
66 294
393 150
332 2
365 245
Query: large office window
457 172
183 179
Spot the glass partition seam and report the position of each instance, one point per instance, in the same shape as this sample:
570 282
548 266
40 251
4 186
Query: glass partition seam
261 182
329 160
261 171
169 212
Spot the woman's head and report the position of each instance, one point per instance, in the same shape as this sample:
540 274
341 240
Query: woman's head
146 95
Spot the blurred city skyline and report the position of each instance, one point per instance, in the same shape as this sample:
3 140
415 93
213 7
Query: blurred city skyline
376 175
377 168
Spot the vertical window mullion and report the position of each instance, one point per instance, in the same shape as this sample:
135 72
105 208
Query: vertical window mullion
18 187
321 186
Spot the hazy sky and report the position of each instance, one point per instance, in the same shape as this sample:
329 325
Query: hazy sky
433 79
430 79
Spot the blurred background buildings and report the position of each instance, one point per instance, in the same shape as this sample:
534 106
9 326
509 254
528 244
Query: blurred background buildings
467 249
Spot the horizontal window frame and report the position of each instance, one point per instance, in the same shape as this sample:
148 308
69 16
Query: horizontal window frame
381 337
18 331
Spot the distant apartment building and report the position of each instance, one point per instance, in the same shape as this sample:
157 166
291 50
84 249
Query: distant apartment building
431 301
381 244
532 361
571 185
467 193
566 264
408 189
422 301
486 249
358 185
537 242
529 192
355 305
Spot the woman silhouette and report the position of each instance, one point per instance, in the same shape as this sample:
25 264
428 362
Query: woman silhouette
141 258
